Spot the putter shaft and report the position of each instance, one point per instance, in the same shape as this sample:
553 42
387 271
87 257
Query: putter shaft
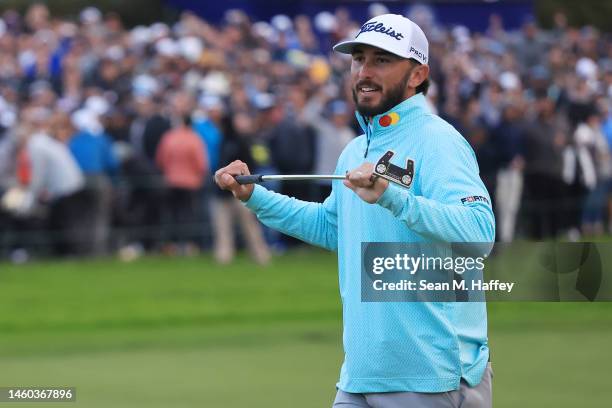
260 178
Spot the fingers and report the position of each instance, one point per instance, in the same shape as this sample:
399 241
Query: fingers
224 177
349 185
368 186
227 182
362 176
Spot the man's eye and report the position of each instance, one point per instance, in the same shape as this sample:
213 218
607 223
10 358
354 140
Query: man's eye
382 60
357 58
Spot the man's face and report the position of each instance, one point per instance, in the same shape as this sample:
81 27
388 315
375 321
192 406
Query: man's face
183 104
379 80
545 107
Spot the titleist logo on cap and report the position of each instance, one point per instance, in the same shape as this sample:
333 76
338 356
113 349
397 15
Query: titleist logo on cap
379 28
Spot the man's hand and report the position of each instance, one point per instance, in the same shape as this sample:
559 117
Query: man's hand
225 180
365 184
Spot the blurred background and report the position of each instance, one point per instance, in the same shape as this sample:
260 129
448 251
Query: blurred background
122 270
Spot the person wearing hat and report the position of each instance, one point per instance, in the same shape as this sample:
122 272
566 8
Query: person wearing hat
397 354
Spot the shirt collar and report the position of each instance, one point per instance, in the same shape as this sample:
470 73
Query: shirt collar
405 111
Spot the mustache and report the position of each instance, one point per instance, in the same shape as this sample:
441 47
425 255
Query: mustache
367 84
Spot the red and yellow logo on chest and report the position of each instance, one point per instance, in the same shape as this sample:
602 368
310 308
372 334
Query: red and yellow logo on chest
389 119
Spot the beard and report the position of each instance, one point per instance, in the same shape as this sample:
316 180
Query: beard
394 96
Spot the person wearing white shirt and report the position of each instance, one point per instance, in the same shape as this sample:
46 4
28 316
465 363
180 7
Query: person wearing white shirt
57 181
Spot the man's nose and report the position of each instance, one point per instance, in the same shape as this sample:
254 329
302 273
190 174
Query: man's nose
366 70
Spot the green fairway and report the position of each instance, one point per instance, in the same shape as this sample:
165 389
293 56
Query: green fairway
171 332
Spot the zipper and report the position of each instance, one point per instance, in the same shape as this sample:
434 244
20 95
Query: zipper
368 137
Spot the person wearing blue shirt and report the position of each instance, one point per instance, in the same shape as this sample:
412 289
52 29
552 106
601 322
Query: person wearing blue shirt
94 153
209 128
92 149
397 354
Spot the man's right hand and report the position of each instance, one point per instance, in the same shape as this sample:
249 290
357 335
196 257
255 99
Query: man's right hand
225 180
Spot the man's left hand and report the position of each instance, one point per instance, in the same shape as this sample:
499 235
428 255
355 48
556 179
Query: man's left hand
365 183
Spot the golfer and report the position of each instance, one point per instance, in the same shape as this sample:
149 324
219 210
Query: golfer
397 354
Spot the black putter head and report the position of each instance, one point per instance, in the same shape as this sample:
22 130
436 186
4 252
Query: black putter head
394 173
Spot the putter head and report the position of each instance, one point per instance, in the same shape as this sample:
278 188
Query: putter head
394 173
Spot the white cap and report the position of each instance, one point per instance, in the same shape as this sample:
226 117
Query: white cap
586 68
90 15
393 33
86 120
509 81
325 22
281 22
145 85
97 105
167 47
191 48
210 102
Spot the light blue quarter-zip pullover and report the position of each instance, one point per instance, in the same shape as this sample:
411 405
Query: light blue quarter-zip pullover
416 346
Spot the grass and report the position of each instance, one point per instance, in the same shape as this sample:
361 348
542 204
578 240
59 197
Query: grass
165 332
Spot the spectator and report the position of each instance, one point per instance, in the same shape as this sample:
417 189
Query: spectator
292 145
145 133
273 73
208 125
593 156
57 181
545 137
148 128
291 141
508 137
237 145
182 159
332 135
487 155
604 106
530 45
92 149
8 149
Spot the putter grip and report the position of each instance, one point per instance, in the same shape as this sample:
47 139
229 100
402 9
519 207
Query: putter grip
250 179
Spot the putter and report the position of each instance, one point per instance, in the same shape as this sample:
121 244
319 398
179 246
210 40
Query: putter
393 173
260 178
383 168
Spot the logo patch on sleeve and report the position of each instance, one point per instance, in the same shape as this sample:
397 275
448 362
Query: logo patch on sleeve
473 199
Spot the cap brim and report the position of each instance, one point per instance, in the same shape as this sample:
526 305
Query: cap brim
346 47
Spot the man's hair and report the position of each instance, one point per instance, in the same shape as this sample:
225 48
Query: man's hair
424 86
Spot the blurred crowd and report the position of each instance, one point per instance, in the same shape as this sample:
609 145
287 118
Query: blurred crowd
109 135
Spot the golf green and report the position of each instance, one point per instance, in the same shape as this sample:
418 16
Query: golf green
185 332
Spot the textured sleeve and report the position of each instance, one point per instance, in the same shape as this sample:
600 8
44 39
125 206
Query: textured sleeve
454 205
315 223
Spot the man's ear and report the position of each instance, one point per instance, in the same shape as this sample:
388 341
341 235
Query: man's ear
418 75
